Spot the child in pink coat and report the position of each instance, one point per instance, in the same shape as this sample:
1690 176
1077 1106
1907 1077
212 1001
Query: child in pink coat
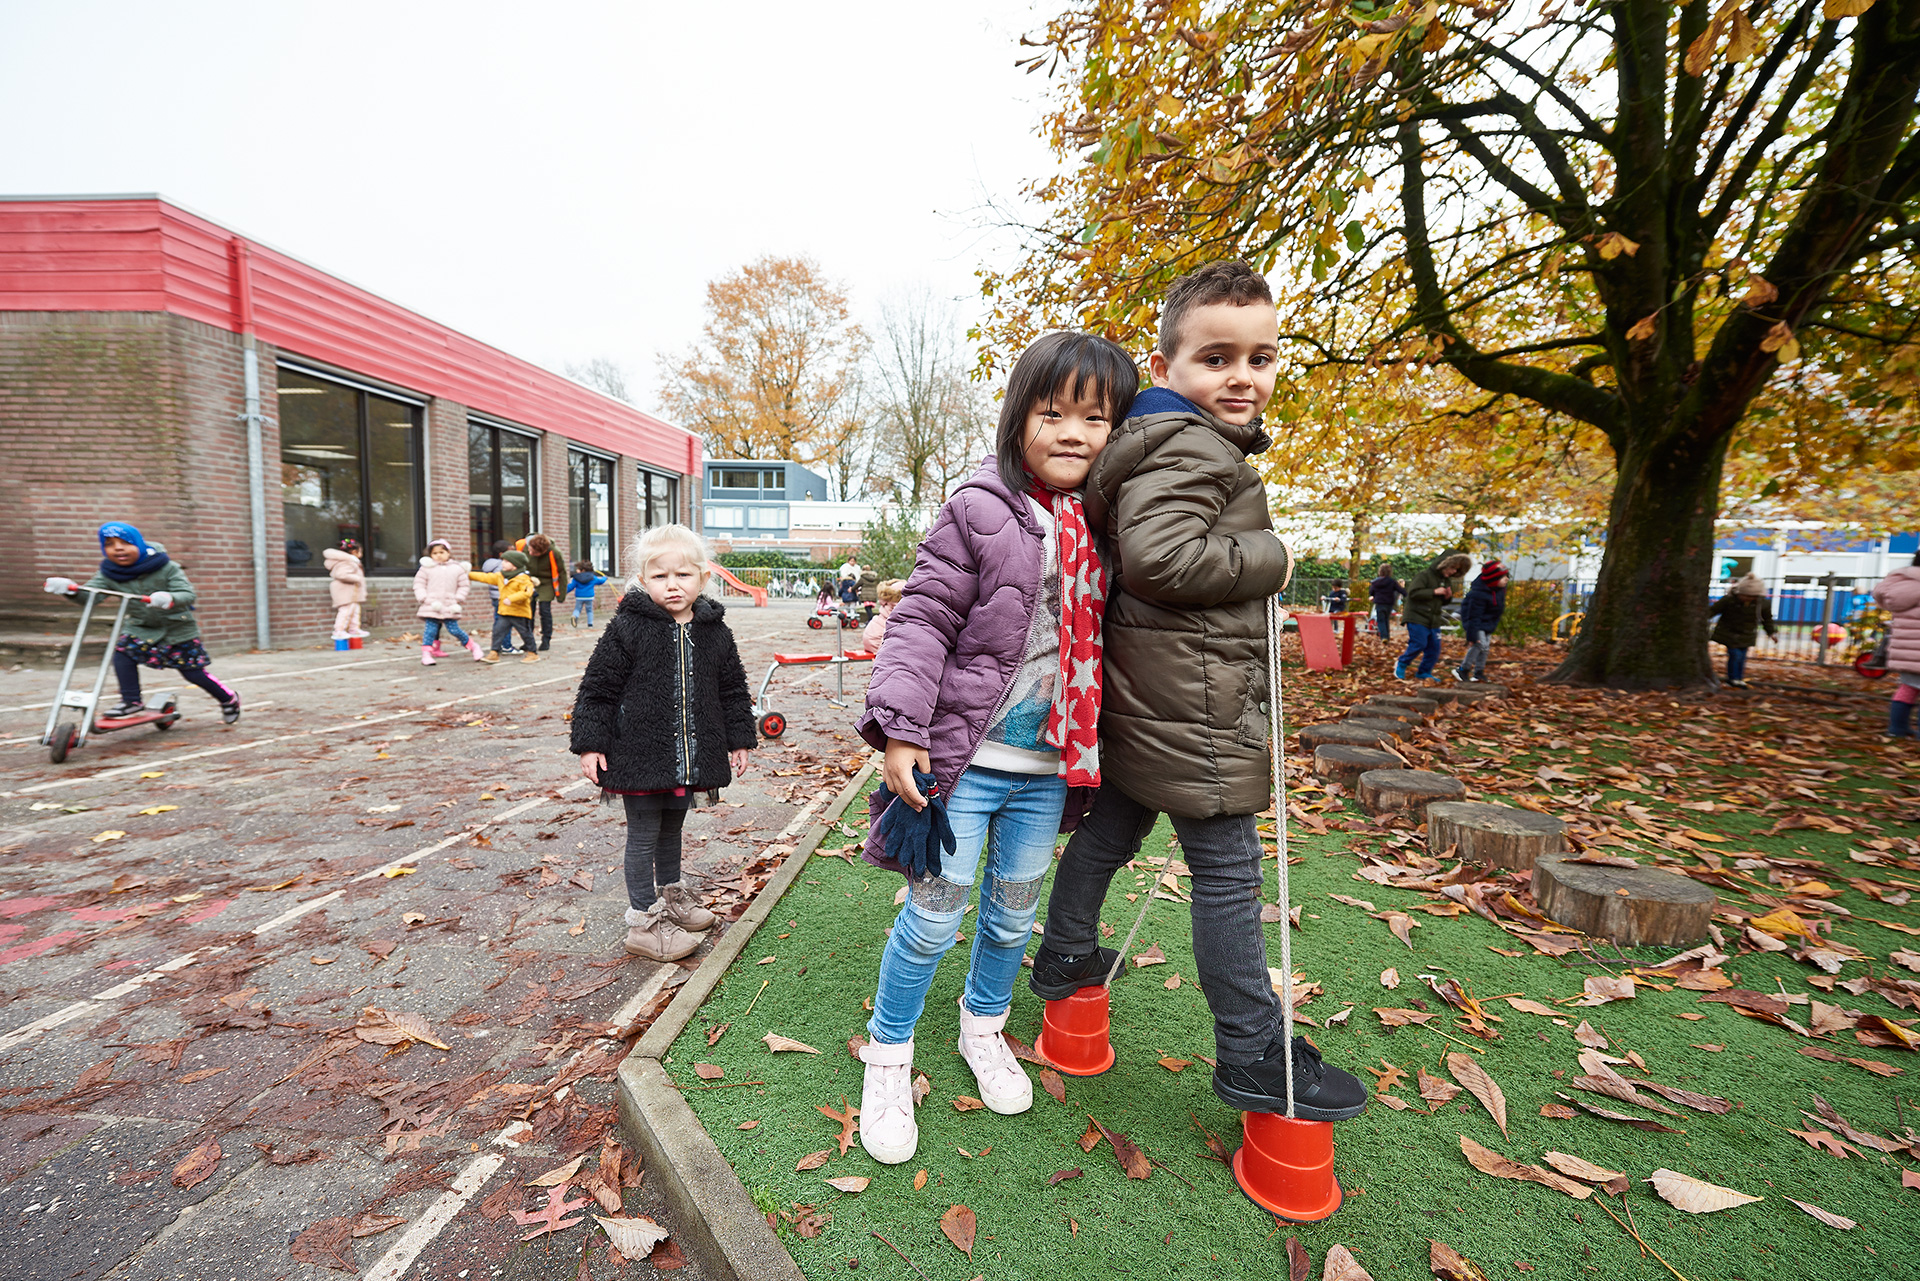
348 588
441 586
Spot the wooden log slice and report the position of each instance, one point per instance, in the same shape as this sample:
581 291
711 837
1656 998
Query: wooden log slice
1632 906
1382 791
1442 694
1346 733
1474 693
1339 763
1384 712
1399 729
1412 702
1503 835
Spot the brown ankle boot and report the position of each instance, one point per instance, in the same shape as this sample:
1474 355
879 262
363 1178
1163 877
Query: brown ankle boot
653 935
684 910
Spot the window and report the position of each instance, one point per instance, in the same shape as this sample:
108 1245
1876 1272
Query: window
590 508
725 517
772 480
349 468
659 500
500 486
730 478
767 517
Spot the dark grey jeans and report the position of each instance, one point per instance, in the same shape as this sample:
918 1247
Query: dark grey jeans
1229 947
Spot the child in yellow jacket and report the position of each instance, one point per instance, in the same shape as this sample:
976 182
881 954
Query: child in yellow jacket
515 611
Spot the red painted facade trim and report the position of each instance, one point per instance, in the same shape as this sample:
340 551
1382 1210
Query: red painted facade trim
142 254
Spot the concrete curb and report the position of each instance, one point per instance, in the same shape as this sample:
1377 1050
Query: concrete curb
719 1225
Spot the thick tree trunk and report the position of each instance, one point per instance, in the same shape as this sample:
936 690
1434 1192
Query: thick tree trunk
1646 625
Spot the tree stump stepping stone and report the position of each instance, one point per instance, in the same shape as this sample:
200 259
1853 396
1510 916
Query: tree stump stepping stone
1346 733
1474 693
1398 729
1340 763
1384 712
1631 906
1413 703
1442 694
1384 791
1502 835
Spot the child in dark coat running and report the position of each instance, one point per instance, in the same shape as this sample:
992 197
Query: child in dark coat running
1479 615
663 712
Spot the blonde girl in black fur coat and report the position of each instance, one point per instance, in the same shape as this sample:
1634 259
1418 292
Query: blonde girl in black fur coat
663 712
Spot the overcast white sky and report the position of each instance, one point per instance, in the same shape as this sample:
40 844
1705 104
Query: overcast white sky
559 180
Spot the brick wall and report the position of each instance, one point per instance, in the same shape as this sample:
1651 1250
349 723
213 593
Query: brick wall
136 416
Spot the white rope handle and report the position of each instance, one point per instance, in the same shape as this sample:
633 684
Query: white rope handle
1277 749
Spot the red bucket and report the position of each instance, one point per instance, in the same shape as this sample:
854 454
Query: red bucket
1286 1166
1074 1035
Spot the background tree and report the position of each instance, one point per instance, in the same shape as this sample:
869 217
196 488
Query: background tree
602 373
931 422
1626 218
775 369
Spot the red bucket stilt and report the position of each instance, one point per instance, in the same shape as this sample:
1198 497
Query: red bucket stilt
1286 1167
1074 1035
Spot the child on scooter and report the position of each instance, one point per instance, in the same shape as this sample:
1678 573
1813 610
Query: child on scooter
441 586
585 583
348 588
160 631
662 712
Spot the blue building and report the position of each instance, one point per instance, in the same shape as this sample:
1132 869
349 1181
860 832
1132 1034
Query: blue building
750 501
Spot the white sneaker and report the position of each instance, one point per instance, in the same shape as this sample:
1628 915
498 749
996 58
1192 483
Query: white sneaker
887 1129
1003 1083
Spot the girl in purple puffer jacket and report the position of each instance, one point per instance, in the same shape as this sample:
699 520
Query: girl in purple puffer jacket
990 682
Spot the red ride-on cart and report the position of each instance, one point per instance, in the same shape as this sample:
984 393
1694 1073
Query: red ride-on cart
821 614
73 717
773 724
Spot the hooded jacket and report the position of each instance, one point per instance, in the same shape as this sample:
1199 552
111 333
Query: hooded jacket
664 703
956 640
349 585
146 622
441 589
549 569
1899 594
1741 615
1485 602
1184 719
1424 607
515 584
1385 591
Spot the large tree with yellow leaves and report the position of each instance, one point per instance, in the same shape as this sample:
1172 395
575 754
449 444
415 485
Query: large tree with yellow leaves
1647 230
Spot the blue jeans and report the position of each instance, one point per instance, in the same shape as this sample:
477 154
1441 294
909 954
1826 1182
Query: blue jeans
1014 820
583 604
1384 619
430 631
1736 663
1425 642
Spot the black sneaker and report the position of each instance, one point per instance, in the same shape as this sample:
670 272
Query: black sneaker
230 711
1320 1093
123 709
546 644
1056 977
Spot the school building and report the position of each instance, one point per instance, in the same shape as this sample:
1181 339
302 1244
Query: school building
248 411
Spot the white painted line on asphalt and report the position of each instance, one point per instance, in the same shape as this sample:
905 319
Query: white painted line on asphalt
79 1008
394 1263
39 1025
169 761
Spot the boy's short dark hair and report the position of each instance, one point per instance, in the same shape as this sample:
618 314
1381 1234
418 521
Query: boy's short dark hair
1231 282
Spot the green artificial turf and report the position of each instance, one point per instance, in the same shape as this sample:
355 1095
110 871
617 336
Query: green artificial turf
1405 1178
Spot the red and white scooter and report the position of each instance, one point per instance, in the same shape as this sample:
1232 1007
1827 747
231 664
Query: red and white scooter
66 731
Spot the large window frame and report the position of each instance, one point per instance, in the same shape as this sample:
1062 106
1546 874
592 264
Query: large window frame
586 472
403 565
494 431
659 498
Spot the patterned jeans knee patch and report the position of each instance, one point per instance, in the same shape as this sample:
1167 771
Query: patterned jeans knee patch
1017 896
937 894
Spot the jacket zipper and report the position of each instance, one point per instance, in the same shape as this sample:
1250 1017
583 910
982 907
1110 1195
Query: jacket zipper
686 690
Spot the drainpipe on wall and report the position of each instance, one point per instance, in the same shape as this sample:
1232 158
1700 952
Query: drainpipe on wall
256 449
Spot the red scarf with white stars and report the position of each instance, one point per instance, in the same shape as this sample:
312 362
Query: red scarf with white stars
1074 722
